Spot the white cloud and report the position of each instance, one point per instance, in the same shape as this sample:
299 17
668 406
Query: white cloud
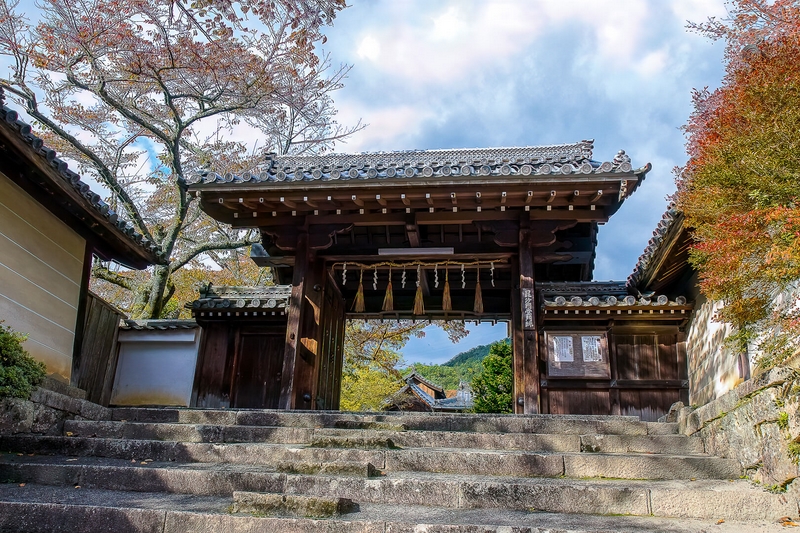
369 48
390 128
698 10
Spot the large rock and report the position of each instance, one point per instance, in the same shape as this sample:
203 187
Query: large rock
16 416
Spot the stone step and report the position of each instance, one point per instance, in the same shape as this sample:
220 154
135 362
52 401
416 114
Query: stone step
290 505
359 438
442 460
30 509
734 500
164 451
556 424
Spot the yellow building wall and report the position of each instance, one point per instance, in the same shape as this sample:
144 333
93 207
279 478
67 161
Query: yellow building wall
41 266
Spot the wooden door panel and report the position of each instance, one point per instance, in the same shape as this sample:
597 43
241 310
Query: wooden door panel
258 371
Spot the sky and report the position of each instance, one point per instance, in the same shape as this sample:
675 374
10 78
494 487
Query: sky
483 73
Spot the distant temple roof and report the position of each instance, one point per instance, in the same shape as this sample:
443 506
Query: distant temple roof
558 159
460 402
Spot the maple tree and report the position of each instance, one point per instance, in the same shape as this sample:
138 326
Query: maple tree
740 187
141 93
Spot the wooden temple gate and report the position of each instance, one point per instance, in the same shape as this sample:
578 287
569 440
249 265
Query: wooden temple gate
338 228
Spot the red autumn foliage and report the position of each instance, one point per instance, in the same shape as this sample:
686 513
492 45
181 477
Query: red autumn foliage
740 187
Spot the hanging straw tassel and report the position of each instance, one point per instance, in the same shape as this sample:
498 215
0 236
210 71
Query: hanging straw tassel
388 300
447 303
419 304
478 296
358 303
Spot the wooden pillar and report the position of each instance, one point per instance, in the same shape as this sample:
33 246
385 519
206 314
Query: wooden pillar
529 350
294 322
517 343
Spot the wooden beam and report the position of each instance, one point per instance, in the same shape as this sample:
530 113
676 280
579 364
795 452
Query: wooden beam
596 196
453 199
357 201
311 203
405 200
381 201
551 197
288 203
529 197
428 198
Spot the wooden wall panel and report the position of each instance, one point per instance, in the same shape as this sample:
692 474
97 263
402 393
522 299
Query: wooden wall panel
578 402
212 377
647 356
257 383
95 368
648 404
330 347
41 267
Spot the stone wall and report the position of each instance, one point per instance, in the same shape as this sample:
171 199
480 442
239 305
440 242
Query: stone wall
756 423
47 409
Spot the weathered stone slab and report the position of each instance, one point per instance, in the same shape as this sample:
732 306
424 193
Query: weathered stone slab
649 467
57 518
556 497
291 505
475 462
661 444
181 522
742 504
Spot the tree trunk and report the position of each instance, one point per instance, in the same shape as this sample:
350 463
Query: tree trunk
155 292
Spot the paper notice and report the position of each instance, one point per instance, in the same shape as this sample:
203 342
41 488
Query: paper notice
562 349
591 349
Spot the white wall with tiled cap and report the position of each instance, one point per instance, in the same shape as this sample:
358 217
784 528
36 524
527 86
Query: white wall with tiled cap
41 267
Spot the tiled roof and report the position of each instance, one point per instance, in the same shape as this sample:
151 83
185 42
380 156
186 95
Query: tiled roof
92 199
560 159
582 288
671 216
612 301
157 324
275 297
420 378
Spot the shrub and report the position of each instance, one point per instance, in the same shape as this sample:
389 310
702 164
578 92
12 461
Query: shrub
19 372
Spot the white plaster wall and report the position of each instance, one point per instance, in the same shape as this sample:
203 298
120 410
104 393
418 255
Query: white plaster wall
713 369
156 367
41 268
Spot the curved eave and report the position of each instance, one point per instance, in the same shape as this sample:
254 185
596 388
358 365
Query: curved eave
640 174
37 170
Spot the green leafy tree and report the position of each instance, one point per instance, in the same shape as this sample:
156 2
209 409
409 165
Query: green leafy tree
372 359
463 367
19 372
367 388
494 387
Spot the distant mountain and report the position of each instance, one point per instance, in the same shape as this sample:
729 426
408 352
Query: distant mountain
470 356
462 367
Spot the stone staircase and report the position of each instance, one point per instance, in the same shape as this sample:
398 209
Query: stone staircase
171 470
